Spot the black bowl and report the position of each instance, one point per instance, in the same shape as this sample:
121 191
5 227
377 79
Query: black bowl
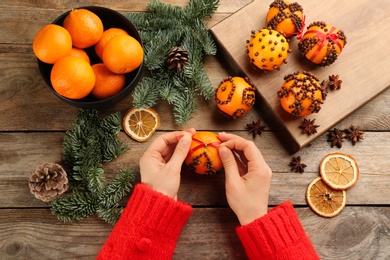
110 19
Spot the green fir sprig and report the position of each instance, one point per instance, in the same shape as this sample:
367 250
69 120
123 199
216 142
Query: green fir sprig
165 26
91 142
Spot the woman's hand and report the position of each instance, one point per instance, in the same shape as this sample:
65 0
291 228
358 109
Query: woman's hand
248 177
161 163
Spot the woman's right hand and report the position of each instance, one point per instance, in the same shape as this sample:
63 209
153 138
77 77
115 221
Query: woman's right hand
248 177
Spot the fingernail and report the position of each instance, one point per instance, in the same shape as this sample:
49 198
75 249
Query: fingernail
186 140
222 151
178 137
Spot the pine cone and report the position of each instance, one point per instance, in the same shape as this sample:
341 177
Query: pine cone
177 58
48 181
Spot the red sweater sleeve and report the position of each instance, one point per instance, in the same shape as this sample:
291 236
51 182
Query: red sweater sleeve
148 228
277 235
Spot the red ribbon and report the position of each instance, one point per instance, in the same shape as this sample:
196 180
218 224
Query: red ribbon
201 144
300 32
324 38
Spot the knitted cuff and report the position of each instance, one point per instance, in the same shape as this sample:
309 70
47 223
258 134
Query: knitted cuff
277 235
148 228
157 211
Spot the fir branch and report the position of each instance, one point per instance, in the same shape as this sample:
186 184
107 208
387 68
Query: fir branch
89 143
199 9
165 26
95 180
184 105
75 206
146 93
116 189
110 215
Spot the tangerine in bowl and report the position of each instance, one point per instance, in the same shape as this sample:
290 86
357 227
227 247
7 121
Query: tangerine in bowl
109 19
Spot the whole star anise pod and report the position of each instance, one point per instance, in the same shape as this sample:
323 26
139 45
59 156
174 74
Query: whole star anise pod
308 127
353 134
177 58
335 137
255 128
296 165
335 82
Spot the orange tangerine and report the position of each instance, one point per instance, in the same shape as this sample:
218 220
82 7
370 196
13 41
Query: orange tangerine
235 96
51 43
72 77
285 17
79 53
301 94
123 54
203 157
107 83
107 35
85 27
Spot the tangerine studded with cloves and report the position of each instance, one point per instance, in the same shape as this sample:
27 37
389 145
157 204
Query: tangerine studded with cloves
322 43
235 96
285 17
203 157
267 49
301 94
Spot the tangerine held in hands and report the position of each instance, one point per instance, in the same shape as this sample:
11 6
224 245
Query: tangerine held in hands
203 157
301 94
285 17
235 96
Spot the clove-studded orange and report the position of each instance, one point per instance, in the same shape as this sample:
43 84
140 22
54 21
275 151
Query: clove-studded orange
235 96
301 94
267 49
203 157
322 43
285 17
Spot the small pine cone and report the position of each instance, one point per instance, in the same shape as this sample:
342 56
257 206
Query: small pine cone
48 181
177 58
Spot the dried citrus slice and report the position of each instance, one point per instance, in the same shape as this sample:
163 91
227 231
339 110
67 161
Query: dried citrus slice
339 170
324 200
140 123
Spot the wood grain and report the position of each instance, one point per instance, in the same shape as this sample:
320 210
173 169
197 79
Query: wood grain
361 66
33 123
357 233
22 152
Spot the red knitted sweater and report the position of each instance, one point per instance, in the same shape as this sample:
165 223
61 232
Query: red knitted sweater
150 225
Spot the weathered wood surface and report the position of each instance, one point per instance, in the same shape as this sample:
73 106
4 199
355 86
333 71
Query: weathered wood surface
357 233
32 126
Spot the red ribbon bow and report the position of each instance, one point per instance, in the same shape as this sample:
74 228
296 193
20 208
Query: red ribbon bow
324 38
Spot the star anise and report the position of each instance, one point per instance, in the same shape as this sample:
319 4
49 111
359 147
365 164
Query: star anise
308 126
335 82
296 165
354 134
335 137
255 128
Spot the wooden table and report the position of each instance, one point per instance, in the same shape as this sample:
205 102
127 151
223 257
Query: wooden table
32 126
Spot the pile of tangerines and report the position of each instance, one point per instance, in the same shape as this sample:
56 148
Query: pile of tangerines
72 74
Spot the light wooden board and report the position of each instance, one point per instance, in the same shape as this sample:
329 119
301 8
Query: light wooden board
364 65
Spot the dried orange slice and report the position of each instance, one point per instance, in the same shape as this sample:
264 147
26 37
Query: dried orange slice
324 200
140 123
339 170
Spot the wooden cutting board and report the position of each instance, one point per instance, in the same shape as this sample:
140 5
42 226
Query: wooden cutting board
363 66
